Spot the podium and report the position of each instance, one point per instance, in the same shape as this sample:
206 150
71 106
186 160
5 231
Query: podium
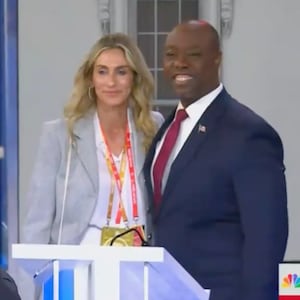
109 273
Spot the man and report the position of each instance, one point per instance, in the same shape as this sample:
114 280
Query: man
8 288
217 198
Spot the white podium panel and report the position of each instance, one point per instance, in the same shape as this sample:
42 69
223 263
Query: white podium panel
114 273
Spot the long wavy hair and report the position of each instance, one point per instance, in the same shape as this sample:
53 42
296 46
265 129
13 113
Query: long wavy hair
83 98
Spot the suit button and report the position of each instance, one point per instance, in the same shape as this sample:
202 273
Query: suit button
149 236
148 209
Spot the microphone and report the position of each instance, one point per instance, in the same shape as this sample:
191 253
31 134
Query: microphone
144 242
66 183
64 200
43 268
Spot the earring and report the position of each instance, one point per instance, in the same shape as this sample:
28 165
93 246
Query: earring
90 93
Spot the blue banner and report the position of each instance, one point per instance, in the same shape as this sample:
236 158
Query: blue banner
8 127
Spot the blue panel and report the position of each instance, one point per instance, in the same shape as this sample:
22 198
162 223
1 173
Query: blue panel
48 290
66 286
3 231
8 126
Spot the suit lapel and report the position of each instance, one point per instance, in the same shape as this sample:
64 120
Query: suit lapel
150 156
86 147
201 132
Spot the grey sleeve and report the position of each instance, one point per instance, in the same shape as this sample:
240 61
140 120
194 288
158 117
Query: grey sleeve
42 189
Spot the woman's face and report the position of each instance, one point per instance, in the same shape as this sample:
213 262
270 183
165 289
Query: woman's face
112 78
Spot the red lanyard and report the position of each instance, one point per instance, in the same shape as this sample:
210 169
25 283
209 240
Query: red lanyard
118 178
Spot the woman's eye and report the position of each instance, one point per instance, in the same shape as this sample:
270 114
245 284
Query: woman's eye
122 72
101 72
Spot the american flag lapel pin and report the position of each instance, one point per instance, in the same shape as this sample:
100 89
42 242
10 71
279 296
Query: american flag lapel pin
202 128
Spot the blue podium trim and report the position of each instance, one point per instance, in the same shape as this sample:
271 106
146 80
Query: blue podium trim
66 286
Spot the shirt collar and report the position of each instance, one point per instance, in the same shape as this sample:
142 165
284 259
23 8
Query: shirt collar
196 109
98 136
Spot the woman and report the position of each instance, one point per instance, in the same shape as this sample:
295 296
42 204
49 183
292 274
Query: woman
87 181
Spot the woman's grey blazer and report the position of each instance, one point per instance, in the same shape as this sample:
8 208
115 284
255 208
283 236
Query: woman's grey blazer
46 190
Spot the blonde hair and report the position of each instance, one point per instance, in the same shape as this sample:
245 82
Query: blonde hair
83 98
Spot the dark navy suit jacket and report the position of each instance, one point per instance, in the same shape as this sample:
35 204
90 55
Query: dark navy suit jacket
8 288
223 213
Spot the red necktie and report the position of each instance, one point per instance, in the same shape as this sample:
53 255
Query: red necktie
164 153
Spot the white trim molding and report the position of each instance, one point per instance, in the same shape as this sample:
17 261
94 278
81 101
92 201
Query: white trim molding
1 152
119 19
104 16
226 17
113 16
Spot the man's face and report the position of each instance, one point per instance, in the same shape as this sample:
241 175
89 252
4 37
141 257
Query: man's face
191 62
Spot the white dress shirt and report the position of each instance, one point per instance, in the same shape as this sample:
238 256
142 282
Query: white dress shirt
194 111
98 220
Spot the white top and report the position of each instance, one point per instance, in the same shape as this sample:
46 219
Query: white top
98 220
194 111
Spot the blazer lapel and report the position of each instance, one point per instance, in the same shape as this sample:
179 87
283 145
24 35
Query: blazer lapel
86 147
136 143
201 132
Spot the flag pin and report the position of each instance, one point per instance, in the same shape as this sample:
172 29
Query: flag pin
202 128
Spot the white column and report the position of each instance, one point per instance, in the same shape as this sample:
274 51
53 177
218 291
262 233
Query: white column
82 279
106 279
104 16
119 16
210 10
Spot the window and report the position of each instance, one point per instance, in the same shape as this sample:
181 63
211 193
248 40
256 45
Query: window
154 19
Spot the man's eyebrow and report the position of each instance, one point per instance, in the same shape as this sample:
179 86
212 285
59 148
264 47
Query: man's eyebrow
192 48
